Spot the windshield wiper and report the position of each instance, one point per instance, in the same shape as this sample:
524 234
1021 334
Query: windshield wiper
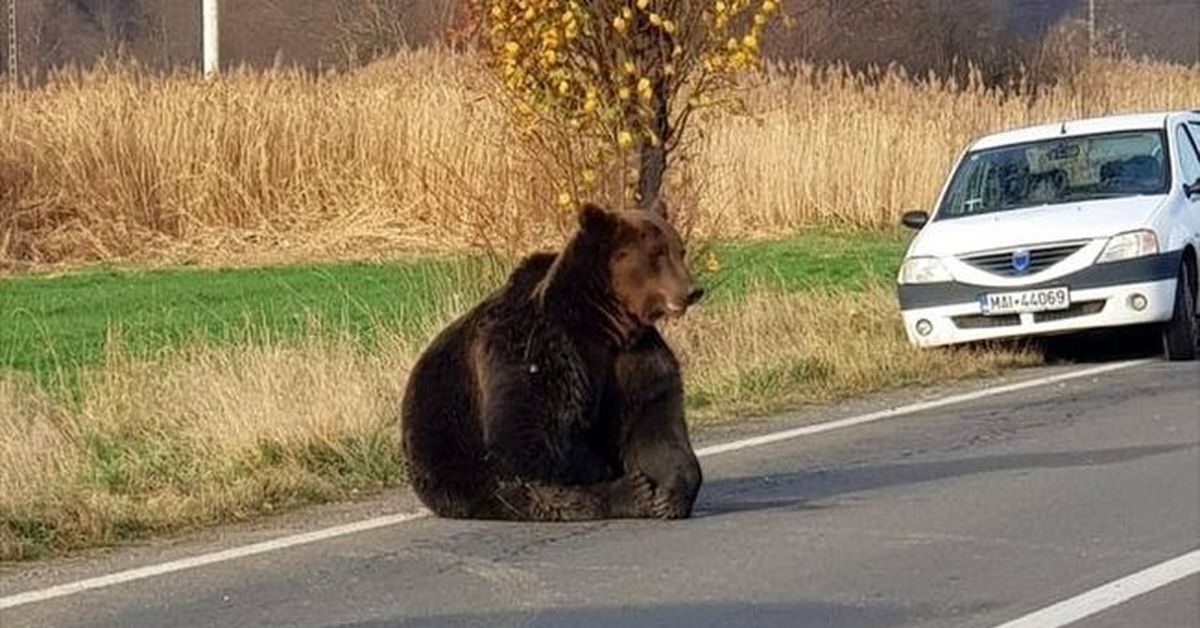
1100 196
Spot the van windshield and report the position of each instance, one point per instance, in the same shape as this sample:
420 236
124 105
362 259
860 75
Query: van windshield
1065 170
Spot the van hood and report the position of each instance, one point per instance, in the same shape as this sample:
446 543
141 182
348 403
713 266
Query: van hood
1036 225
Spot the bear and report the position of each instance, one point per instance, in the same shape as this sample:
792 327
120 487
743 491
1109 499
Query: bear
555 398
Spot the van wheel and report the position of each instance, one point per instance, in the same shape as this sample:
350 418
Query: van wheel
1182 334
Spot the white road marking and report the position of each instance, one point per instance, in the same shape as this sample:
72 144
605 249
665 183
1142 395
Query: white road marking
1116 592
152 571
809 430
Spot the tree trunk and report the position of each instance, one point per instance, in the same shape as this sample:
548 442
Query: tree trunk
652 166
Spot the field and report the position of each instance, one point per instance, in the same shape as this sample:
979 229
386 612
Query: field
212 292
144 401
410 155
55 326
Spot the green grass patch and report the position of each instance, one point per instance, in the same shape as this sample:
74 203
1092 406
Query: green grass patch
845 260
52 326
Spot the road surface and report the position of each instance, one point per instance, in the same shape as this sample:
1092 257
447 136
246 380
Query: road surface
975 513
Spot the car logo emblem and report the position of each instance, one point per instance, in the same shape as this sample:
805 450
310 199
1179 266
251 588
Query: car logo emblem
1020 260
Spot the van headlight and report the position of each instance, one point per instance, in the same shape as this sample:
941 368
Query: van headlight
1129 245
924 270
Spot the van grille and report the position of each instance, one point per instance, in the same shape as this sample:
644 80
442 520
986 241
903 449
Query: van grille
979 321
1083 308
1040 258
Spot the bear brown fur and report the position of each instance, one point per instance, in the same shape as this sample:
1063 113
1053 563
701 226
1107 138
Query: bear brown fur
555 398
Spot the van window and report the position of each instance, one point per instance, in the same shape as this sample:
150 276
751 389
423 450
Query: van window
1059 170
1189 158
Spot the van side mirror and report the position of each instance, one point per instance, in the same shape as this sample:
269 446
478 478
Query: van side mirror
915 220
1191 189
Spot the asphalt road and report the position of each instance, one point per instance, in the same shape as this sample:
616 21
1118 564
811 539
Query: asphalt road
968 515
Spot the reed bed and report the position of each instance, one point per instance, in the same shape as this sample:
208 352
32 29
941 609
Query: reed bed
412 154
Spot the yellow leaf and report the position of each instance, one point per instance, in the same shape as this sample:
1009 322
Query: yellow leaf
619 24
624 139
564 198
711 263
642 4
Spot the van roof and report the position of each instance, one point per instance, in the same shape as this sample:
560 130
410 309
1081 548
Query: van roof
1072 128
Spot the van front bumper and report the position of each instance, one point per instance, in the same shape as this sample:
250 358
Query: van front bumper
1102 296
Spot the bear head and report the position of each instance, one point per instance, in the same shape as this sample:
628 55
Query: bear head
647 273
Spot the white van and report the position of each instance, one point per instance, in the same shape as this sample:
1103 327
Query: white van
1060 228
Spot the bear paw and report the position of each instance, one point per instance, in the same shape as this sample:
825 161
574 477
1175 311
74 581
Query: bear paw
653 501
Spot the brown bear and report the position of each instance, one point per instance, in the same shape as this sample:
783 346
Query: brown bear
555 398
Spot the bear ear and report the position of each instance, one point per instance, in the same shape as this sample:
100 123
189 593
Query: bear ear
593 217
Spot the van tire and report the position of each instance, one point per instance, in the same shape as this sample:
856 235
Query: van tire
1182 334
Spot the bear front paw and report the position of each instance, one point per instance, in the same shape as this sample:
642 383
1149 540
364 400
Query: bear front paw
653 501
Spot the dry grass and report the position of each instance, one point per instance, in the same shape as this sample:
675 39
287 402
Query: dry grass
776 350
411 154
205 436
829 147
114 164
218 434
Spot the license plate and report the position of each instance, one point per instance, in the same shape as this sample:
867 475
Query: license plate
1040 300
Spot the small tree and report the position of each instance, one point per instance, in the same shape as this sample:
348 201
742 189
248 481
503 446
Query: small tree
610 86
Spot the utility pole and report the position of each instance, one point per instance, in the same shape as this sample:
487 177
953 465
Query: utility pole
1092 26
212 38
13 64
